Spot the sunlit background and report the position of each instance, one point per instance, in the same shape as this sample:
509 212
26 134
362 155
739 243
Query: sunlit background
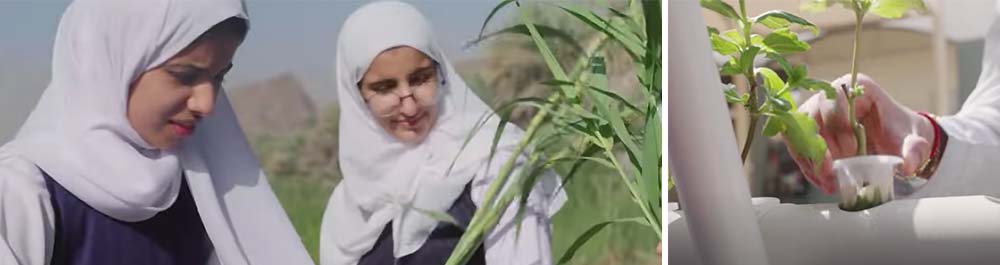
282 87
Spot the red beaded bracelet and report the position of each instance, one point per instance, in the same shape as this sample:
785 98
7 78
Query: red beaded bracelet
937 133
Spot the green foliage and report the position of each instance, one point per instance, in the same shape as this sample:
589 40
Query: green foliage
586 121
742 46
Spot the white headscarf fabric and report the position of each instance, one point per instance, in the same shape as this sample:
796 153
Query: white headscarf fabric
79 135
381 173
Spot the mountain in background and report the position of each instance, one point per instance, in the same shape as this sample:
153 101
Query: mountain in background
275 106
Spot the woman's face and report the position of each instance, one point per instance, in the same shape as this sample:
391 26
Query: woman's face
400 89
166 102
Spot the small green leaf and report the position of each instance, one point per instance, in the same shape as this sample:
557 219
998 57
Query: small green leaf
771 79
732 67
778 19
773 127
733 96
490 16
439 216
893 9
583 238
781 104
796 75
713 30
756 40
818 6
858 91
819 85
722 45
734 37
784 41
814 6
747 59
720 7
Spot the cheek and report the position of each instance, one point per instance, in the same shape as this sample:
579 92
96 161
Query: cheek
151 105
427 97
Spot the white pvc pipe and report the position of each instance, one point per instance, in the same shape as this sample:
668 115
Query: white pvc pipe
702 149
947 230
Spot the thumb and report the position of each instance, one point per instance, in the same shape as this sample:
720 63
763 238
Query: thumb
915 150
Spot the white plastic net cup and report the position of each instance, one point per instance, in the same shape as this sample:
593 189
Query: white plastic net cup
865 181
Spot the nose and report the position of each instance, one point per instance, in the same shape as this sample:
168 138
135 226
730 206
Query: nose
408 104
202 100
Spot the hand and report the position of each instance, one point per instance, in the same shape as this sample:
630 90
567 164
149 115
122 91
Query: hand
891 129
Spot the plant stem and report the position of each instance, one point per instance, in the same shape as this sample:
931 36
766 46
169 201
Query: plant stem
859 130
648 213
750 132
752 107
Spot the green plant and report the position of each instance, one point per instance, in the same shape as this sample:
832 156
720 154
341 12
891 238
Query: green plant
586 114
742 46
889 9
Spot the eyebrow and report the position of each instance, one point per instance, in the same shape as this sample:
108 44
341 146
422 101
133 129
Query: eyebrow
387 81
198 68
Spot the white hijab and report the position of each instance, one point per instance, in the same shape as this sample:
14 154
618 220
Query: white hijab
381 173
78 133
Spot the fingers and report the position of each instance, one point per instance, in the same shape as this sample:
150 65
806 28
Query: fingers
915 150
821 176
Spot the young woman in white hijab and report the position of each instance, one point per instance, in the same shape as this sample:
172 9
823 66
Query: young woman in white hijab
133 154
405 114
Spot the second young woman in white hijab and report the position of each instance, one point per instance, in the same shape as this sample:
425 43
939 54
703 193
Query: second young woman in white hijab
133 154
405 114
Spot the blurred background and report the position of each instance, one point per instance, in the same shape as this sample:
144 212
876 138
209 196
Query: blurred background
928 62
282 87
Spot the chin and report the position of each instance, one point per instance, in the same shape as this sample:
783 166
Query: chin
411 137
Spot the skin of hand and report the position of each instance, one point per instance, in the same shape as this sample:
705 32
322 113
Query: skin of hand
891 129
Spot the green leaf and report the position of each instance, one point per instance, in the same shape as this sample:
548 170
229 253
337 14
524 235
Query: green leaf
723 45
612 114
732 67
771 80
632 44
773 127
550 59
720 7
756 40
781 104
547 33
590 232
732 96
735 37
490 16
819 85
893 9
589 150
439 216
818 6
747 59
778 19
802 135
784 41
858 91
649 182
712 30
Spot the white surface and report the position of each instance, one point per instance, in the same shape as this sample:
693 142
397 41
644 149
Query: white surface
710 181
947 230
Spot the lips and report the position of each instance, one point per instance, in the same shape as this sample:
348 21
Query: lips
182 128
411 122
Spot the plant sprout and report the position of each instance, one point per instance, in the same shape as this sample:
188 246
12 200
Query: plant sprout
888 9
742 46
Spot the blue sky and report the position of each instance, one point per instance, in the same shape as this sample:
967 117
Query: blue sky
296 36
